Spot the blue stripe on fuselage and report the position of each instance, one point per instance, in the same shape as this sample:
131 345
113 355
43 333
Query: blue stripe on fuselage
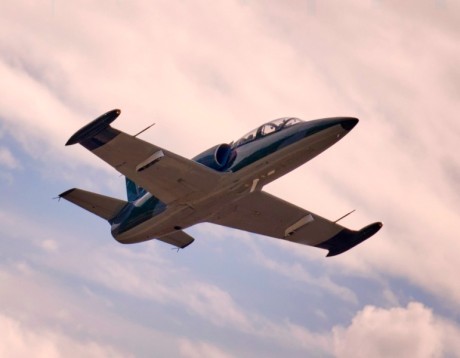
260 148
134 214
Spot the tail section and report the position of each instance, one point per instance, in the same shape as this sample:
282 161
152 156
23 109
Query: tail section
101 205
133 190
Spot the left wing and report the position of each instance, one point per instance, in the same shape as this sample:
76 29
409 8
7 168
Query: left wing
166 175
265 214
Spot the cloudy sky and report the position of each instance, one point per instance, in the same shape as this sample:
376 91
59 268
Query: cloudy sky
207 72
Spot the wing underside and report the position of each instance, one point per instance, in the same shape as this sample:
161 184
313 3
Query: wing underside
166 175
265 214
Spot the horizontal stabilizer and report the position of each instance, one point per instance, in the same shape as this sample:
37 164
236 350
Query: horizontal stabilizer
101 205
178 238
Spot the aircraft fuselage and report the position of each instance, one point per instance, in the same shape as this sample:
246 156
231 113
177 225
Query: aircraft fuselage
247 167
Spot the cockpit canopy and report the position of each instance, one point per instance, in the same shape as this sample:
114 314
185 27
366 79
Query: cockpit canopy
267 129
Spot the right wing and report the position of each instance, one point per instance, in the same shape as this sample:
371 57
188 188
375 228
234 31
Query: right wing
265 214
166 175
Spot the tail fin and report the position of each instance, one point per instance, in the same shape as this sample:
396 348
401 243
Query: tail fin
133 190
101 205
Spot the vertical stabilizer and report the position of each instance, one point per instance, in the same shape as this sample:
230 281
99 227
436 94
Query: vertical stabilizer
133 191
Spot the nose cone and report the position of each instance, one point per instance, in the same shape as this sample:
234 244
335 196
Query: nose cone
349 123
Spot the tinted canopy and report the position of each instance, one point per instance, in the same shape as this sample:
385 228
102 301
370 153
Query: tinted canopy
267 129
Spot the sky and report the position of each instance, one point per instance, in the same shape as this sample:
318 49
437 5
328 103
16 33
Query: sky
206 72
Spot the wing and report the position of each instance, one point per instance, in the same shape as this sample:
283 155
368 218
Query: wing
166 175
265 214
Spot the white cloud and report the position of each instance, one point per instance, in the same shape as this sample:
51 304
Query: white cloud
7 159
190 349
69 319
397 332
49 245
214 304
125 271
19 340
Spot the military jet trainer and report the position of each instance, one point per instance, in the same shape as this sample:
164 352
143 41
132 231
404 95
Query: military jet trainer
167 193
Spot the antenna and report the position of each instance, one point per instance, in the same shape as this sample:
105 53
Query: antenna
343 217
142 131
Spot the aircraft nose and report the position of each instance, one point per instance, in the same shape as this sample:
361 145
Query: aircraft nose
348 123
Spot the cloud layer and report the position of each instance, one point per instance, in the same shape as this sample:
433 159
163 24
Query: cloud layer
400 331
207 72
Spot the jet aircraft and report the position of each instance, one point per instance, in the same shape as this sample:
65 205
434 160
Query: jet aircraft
167 193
